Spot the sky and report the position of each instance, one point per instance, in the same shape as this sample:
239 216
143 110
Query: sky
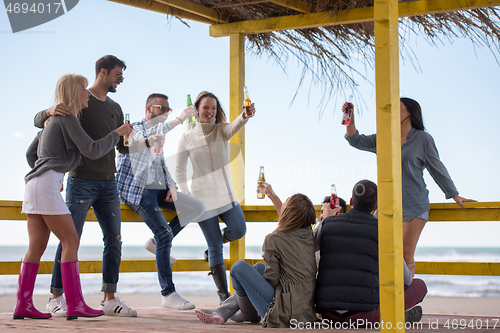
456 85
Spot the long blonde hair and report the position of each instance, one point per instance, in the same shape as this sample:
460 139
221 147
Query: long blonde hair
69 91
298 213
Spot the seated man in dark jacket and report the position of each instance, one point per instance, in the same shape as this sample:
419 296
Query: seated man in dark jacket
347 287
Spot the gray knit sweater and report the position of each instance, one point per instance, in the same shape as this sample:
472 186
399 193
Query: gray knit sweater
98 119
60 145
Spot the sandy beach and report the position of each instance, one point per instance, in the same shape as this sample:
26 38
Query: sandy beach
465 306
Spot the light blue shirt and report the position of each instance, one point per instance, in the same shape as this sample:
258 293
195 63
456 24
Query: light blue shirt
419 152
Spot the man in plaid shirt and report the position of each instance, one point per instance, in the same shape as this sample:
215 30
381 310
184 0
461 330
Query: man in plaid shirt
145 185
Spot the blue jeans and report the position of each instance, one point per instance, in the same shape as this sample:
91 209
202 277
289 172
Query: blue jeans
233 217
149 210
81 194
249 282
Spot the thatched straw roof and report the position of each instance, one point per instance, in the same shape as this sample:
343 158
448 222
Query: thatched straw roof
329 53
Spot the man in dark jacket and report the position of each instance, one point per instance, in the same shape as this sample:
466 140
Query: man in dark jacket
347 288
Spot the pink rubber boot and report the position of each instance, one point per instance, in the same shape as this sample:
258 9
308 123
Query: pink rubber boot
26 283
76 306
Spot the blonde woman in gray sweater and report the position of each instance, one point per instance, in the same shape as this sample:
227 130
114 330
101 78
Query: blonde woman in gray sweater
206 144
56 150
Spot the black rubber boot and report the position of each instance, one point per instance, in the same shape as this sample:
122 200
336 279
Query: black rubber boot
218 272
247 312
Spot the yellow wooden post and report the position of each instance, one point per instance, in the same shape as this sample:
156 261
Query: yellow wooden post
236 83
389 165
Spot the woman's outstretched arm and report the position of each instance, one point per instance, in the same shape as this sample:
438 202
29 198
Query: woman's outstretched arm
274 198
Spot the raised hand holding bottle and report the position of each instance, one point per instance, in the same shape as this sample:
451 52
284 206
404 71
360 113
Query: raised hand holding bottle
348 110
247 103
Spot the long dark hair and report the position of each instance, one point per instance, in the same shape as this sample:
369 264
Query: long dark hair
415 113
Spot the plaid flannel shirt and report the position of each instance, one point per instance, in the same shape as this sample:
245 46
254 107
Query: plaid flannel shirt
133 168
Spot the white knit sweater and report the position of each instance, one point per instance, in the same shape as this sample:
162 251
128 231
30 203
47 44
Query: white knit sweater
208 148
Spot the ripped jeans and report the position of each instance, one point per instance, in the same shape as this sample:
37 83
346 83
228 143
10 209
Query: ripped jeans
188 209
102 195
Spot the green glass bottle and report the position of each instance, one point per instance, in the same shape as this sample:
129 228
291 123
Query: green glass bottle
191 119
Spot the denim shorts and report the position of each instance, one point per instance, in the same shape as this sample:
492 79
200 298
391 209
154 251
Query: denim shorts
423 216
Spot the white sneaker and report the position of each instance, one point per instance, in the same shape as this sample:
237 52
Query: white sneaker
115 307
57 306
151 247
174 301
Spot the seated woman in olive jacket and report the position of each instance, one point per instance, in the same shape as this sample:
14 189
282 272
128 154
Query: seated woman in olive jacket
282 290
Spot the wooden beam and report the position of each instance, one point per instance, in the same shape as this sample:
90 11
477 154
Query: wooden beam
164 9
458 268
297 5
237 142
193 8
293 22
390 215
236 83
440 212
238 3
425 7
193 265
356 15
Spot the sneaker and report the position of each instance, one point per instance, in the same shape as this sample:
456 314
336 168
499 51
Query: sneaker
151 247
414 315
57 306
115 307
174 301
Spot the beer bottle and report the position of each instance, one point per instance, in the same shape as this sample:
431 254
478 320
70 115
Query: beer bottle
261 192
247 103
127 141
191 119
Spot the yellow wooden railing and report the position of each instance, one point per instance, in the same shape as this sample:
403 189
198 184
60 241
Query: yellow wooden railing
440 212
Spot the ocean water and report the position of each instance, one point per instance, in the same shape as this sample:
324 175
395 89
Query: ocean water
199 283
460 285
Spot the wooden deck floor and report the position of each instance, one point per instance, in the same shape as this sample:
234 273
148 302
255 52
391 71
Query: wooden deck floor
172 321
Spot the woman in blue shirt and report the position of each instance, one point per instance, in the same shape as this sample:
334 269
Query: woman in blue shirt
418 152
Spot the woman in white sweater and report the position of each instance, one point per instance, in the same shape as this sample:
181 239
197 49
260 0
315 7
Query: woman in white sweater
206 144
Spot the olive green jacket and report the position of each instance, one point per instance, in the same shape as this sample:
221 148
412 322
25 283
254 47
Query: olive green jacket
291 270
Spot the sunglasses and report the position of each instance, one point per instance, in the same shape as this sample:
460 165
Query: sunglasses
163 107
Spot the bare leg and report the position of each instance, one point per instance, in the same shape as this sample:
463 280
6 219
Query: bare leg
108 296
63 227
411 234
38 234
